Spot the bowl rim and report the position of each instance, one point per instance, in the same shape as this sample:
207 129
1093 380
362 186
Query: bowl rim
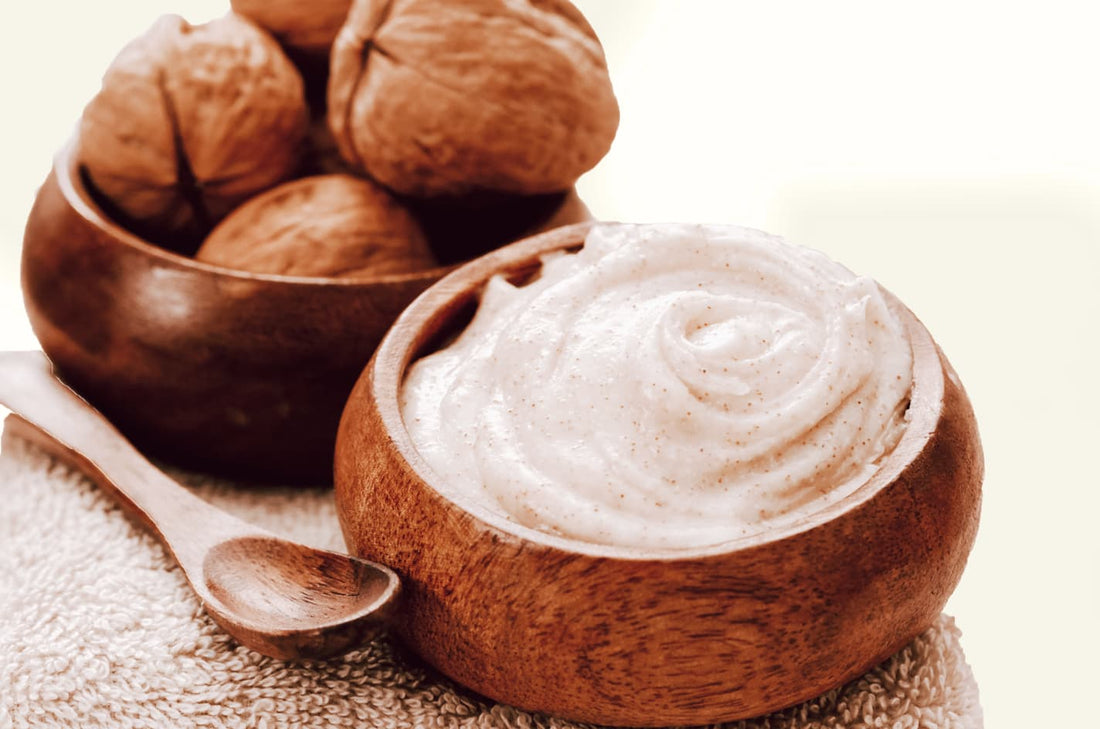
438 304
67 170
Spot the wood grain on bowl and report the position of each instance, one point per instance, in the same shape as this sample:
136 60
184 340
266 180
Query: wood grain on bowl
241 374
627 636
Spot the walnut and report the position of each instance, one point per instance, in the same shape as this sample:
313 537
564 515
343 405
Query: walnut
308 27
442 97
328 225
190 122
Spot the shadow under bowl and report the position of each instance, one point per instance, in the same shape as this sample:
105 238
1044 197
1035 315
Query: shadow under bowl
624 636
212 369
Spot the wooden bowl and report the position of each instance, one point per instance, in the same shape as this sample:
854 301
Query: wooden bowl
237 373
625 636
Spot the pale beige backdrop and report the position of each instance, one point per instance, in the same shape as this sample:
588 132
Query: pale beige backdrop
949 149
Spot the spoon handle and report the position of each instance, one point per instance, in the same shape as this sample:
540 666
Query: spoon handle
68 427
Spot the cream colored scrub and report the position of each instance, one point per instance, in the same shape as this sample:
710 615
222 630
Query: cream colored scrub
667 386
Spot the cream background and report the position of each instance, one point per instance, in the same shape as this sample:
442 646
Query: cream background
949 149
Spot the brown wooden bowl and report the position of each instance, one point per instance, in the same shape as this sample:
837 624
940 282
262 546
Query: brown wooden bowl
624 636
221 370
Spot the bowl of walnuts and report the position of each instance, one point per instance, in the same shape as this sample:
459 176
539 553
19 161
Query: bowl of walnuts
247 205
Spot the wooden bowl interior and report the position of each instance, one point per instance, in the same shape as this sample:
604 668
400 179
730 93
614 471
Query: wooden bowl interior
457 229
98 212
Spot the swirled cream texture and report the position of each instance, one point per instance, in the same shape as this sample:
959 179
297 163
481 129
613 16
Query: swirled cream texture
666 387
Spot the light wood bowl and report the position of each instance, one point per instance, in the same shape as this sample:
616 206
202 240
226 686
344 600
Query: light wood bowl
626 636
226 371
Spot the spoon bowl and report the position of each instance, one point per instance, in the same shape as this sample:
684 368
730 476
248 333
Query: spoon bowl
295 601
297 582
635 636
278 597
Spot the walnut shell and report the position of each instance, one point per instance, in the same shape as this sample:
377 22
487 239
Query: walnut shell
190 122
442 97
329 225
309 27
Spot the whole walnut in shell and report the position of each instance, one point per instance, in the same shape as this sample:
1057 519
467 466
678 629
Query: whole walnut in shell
445 97
329 225
308 27
190 122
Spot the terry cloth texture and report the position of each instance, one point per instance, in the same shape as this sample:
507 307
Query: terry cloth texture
98 628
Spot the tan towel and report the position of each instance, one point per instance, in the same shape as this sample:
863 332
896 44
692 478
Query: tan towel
98 628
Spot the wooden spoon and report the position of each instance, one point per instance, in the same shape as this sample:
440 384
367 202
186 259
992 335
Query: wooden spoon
280 598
